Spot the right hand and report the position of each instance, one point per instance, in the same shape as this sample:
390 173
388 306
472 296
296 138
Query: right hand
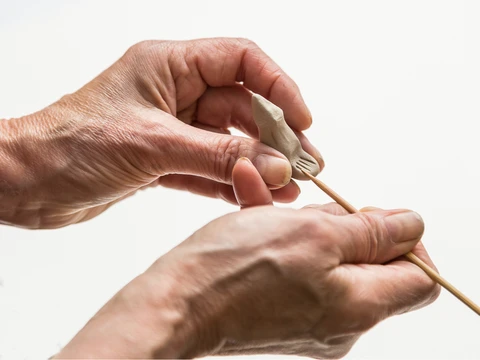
268 280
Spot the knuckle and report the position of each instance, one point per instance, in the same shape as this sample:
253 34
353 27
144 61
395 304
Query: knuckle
313 207
332 208
319 227
431 290
313 224
373 234
247 43
235 45
143 51
142 47
226 153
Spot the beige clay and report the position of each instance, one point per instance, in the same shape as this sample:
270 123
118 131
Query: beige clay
275 133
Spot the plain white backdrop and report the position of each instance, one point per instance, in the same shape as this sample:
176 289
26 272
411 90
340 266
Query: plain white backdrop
394 88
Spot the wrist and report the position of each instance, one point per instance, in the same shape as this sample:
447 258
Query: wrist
146 319
29 155
14 175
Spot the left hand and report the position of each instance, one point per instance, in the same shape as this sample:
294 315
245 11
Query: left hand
142 123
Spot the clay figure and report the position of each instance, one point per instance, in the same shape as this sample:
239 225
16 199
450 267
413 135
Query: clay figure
276 133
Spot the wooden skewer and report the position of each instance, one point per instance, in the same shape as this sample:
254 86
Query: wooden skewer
410 256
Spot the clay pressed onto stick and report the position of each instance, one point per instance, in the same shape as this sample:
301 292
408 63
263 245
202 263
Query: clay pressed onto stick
276 133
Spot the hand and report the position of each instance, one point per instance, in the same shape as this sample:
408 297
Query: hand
267 280
158 116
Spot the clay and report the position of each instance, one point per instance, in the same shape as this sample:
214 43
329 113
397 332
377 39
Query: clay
275 133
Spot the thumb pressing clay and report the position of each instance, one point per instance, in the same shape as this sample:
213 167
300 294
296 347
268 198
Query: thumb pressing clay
275 132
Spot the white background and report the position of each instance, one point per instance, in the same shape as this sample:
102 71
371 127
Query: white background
394 88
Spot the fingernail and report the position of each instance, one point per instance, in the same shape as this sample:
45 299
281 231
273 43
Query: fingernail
245 159
404 226
274 170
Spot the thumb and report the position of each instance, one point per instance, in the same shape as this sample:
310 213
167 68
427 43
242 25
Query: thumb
379 236
249 188
213 156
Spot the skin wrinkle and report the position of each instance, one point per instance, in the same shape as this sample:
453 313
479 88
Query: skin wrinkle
205 66
276 74
46 180
375 235
9 179
145 91
189 115
271 85
226 155
222 74
167 78
368 230
153 94
141 146
164 82
183 76
138 66
241 72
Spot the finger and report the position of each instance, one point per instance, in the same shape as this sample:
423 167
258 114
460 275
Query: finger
384 290
286 194
377 236
248 185
420 251
192 151
228 107
225 61
291 192
331 208
231 106
214 189
199 186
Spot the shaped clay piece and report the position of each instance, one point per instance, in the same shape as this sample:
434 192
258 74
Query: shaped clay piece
276 133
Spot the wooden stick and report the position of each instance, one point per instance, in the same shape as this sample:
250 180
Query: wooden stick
410 256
